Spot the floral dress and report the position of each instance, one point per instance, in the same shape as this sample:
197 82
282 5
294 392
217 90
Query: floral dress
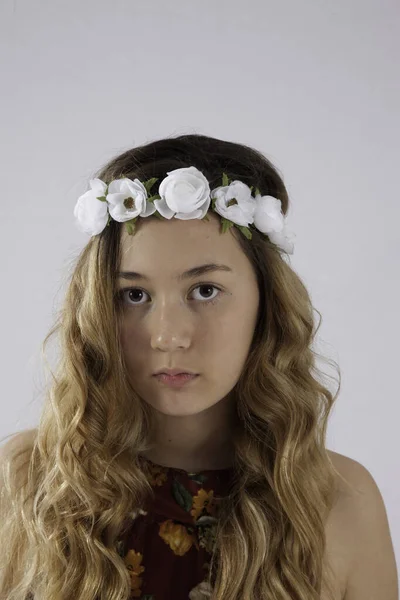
167 547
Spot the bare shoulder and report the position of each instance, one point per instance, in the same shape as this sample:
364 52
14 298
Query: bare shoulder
346 471
339 552
361 535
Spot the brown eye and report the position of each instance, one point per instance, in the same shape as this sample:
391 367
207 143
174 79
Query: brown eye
133 296
207 286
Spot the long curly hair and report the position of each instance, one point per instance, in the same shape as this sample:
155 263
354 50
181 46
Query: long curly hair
61 522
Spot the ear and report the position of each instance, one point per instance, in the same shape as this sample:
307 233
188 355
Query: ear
373 571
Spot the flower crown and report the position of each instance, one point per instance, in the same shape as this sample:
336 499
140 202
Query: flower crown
183 194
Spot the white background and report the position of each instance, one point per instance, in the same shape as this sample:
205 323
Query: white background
313 84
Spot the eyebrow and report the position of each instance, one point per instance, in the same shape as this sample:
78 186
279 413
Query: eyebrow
190 273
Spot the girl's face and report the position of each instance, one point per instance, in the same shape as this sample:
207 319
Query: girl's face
202 323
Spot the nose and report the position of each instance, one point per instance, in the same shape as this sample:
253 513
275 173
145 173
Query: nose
170 327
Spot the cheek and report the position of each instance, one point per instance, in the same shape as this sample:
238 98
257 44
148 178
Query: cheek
132 334
234 329
132 346
228 345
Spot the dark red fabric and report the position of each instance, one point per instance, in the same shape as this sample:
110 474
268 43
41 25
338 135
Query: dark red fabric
167 550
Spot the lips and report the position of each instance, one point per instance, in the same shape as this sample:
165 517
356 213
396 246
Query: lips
175 380
172 372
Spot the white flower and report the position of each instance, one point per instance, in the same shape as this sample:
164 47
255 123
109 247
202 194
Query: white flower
269 219
185 194
268 214
127 199
91 215
202 591
235 203
284 239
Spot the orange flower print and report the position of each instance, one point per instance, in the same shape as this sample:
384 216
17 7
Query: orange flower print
203 503
176 536
132 561
157 475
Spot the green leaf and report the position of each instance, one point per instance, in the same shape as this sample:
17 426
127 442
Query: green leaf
225 179
226 224
197 478
157 214
149 183
102 198
181 495
154 197
246 231
131 226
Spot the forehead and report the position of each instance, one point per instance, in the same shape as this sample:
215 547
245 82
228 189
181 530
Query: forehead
179 244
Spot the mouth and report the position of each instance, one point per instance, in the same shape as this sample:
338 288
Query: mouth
176 380
174 372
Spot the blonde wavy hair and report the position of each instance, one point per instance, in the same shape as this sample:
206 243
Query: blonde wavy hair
60 523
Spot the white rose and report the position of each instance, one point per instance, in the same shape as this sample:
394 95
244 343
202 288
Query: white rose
91 214
185 194
269 219
127 199
235 203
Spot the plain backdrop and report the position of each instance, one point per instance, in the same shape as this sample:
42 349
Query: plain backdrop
314 85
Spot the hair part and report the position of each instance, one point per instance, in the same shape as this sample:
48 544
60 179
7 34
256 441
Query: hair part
84 483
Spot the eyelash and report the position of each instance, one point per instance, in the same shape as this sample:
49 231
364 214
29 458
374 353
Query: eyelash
206 302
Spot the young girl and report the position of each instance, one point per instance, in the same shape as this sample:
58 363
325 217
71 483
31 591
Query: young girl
143 483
